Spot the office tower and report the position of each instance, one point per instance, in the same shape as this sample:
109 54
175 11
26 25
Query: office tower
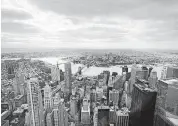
99 93
133 76
126 86
35 106
124 69
93 95
122 118
55 101
112 116
10 69
85 112
15 85
118 82
123 101
114 96
166 112
79 70
103 115
55 73
49 119
142 106
152 80
106 76
95 117
73 106
169 72
108 90
143 73
56 117
19 100
68 74
60 115
149 71
47 97
114 74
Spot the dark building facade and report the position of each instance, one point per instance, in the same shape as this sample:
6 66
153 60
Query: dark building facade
142 106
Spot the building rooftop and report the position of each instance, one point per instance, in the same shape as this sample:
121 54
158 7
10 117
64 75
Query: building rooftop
103 107
174 121
18 96
122 113
171 81
145 88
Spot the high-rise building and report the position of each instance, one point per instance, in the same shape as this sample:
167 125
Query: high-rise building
73 106
124 69
142 106
114 96
85 112
56 117
55 73
122 118
106 76
68 74
63 115
60 115
47 97
166 112
49 119
103 115
112 116
35 106
169 72
55 101
134 69
152 80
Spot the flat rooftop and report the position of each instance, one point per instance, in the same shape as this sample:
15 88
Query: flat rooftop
171 81
121 113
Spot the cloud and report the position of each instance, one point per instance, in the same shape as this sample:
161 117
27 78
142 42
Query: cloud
90 24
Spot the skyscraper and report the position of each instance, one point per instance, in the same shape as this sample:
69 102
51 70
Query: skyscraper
166 112
35 106
134 69
152 80
85 112
169 72
114 96
73 106
68 74
103 115
55 73
142 106
47 97
49 119
122 118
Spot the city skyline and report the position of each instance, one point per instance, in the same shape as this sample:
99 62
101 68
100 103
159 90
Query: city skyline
98 24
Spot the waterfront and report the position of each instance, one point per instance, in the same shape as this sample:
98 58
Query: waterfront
91 71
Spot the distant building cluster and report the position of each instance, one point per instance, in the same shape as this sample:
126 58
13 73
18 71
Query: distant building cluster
33 95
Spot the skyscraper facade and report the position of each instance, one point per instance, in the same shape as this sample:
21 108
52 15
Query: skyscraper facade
122 119
166 112
169 72
55 73
68 74
152 80
114 96
47 97
35 106
142 106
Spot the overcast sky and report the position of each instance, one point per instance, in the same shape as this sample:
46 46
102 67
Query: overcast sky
90 24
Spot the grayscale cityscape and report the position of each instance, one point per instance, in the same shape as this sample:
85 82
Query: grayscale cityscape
89 63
